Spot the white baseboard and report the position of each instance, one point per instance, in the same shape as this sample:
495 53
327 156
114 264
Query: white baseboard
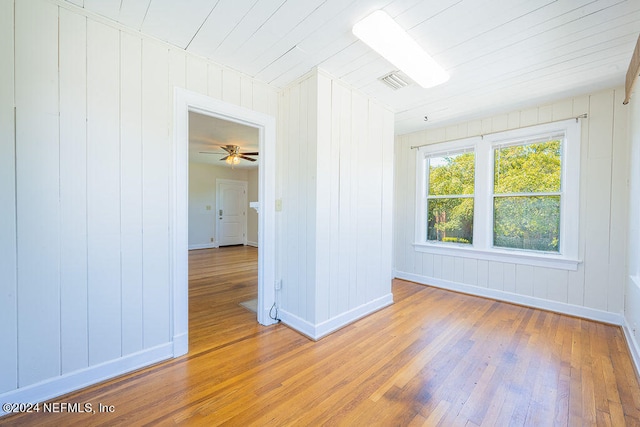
203 246
557 307
254 244
317 331
48 389
634 349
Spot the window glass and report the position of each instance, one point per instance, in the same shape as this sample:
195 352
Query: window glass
528 168
527 198
450 198
531 223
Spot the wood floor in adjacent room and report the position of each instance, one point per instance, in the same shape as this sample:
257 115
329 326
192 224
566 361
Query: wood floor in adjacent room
432 358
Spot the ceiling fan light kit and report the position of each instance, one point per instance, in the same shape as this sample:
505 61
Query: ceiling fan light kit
382 34
234 155
232 159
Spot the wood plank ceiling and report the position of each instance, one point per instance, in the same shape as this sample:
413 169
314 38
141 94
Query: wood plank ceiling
501 55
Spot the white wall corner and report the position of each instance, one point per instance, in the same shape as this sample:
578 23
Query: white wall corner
322 329
180 344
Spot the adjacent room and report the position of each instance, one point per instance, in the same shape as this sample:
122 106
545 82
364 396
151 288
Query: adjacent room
284 212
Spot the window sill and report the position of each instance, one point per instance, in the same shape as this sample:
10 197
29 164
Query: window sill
500 255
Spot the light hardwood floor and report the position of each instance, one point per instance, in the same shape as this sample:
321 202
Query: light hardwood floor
432 358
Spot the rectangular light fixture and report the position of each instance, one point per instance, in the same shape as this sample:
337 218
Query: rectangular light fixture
382 34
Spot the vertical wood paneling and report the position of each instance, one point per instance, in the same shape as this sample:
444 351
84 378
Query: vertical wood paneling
448 268
131 192
575 286
8 259
514 120
487 126
303 143
557 289
311 189
261 99
373 170
246 92
562 110
296 207
541 282
545 114
334 205
324 197
619 229
231 87
410 188
197 74
500 123
214 81
399 204
292 201
524 279
437 266
73 192
496 275
483 273
598 209
343 103
458 269
529 117
155 192
470 271
359 117
177 77
178 70
427 265
37 184
103 196
509 271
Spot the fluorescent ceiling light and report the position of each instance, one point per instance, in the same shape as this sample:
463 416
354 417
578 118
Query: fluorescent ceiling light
386 37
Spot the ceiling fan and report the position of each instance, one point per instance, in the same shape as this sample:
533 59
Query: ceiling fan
233 154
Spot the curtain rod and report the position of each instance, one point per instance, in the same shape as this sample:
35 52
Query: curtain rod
482 135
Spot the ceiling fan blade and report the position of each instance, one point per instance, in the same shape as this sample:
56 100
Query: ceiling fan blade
210 152
255 153
242 156
224 158
229 148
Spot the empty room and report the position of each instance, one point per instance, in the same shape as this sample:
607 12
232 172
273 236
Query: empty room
319 212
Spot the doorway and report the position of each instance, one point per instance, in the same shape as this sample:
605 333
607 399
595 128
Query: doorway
186 101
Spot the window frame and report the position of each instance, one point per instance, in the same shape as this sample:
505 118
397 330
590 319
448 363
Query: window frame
427 197
482 246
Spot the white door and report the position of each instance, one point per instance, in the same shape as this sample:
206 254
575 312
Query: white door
231 212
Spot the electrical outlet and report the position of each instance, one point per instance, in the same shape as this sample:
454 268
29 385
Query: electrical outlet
212 240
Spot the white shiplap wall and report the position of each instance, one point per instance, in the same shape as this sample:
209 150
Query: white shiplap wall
84 188
632 293
337 152
8 247
596 288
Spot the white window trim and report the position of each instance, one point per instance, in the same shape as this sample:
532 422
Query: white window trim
482 247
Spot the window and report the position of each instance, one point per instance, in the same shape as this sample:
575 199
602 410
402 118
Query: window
450 197
510 196
526 195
